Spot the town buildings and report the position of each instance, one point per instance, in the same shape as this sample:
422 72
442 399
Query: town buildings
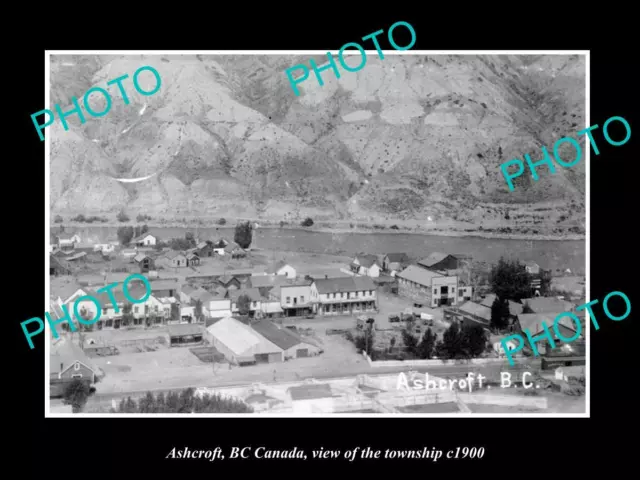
428 287
346 295
393 263
297 298
367 265
441 262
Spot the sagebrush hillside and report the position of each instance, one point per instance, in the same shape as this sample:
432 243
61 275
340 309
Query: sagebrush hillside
406 138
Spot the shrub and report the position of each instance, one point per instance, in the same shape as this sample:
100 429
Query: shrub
79 218
142 218
122 217
307 222
222 221
58 219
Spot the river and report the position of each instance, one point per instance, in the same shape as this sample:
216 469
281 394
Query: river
549 254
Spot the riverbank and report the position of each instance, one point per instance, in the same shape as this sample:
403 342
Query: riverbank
451 229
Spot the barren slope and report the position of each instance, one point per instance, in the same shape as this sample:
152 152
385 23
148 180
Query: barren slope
407 137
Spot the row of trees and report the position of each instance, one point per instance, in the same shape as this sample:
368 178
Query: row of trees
457 342
183 402
510 280
127 233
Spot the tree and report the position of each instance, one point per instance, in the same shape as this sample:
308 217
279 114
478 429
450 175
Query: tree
427 345
500 314
222 221
58 219
140 230
307 222
474 340
76 394
184 402
198 310
392 343
127 315
244 304
123 217
243 234
125 234
451 345
410 342
190 239
510 280
545 282
175 311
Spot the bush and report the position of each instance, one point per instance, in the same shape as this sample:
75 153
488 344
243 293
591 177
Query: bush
307 222
79 218
58 219
76 394
142 218
222 221
122 217
394 227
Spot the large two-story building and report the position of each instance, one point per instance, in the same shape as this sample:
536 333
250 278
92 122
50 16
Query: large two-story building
428 287
346 295
297 297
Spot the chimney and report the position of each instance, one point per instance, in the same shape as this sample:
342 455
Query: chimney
61 367
326 276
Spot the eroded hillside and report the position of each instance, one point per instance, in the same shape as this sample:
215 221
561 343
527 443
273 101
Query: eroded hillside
406 138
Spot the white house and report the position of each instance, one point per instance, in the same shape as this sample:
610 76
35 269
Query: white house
145 240
254 297
281 268
367 265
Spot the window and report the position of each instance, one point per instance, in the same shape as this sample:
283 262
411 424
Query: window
301 299
76 366
288 300
135 309
435 291
76 375
460 293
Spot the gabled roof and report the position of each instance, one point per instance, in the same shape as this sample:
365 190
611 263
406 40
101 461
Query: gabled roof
366 260
515 308
548 304
141 256
344 284
274 267
533 322
232 246
418 275
173 254
252 293
142 237
202 245
397 257
67 353
163 285
476 309
262 281
55 262
282 337
240 338
434 258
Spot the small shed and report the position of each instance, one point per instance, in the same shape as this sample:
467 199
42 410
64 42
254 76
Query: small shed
185 334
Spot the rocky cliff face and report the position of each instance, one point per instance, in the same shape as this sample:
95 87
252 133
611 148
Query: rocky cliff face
406 138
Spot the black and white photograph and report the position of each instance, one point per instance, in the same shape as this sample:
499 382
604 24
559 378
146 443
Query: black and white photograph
274 234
